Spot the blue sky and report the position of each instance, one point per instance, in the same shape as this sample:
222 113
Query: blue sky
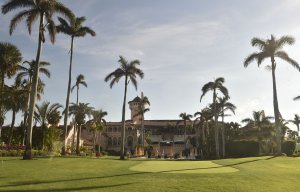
181 45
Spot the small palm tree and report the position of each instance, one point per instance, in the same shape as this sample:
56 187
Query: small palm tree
80 112
129 71
97 124
74 29
142 110
25 73
272 48
79 81
42 10
42 114
296 121
222 106
184 118
258 121
215 86
10 58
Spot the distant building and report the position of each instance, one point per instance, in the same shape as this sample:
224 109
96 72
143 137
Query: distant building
165 137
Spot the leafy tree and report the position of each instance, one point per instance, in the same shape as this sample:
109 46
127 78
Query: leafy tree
43 113
34 10
215 86
296 121
10 57
129 71
272 48
80 112
74 29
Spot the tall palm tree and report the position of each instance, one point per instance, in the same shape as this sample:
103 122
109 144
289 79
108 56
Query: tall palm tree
258 121
79 81
10 57
42 114
142 110
184 118
223 105
80 112
98 124
215 86
129 71
272 48
34 10
74 29
26 73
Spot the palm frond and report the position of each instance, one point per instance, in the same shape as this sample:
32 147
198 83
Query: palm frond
15 4
284 56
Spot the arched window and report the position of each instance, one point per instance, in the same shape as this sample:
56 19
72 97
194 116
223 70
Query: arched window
109 129
109 141
129 129
115 141
129 141
119 129
115 129
119 140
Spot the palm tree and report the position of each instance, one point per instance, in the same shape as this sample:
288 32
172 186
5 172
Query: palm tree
79 81
97 124
258 121
184 118
26 73
296 121
42 114
142 110
130 71
42 10
80 112
15 99
10 57
74 29
215 86
223 105
272 48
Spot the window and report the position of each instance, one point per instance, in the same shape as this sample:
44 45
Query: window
115 129
119 141
129 141
115 142
109 141
109 129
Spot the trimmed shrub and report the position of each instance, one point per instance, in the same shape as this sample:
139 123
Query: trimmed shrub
288 147
242 148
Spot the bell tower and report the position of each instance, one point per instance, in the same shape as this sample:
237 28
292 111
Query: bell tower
134 106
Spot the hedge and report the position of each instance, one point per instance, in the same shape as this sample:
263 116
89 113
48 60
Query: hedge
242 148
288 147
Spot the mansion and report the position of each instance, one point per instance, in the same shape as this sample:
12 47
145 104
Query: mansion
163 137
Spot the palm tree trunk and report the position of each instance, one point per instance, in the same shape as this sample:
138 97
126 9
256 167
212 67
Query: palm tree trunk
11 130
43 135
122 151
1 102
77 95
78 140
27 154
25 120
67 100
223 136
143 130
276 110
216 126
99 142
184 135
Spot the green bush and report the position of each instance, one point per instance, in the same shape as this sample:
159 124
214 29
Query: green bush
242 148
288 147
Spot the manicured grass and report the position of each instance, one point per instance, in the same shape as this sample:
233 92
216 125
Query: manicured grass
109 174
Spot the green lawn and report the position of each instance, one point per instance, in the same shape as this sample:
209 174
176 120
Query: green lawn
108 174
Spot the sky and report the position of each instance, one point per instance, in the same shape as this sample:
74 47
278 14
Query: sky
181 45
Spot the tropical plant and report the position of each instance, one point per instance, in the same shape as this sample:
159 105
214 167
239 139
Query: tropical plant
80 112
142 110
25 73
74 29
272 48
296 121
97 124
215 86
10 57
184 118
43 113
258 121
129 71
42 10
222 106
79 81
